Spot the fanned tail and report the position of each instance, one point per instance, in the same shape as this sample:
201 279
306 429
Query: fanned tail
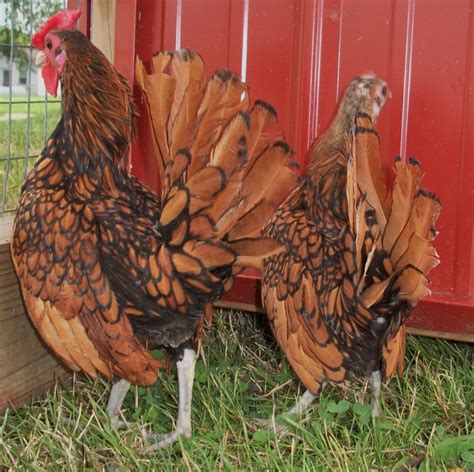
224 169
393 232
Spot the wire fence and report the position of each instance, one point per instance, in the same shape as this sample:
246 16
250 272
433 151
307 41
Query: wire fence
27 114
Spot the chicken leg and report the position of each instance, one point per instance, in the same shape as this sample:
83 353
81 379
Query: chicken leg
185 366
298 408
375 381
117 395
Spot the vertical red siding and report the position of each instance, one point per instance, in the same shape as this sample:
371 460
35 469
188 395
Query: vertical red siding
83 24
301 54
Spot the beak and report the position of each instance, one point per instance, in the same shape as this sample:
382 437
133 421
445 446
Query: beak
40 58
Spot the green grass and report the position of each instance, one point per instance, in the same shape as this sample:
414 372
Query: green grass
19 148
426 416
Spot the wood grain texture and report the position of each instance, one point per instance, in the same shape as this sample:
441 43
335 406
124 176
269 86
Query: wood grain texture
103 26
26 367
6 225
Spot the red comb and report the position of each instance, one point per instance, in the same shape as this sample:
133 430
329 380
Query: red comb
61 20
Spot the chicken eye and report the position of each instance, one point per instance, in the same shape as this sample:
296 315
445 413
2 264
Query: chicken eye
49 44
384 90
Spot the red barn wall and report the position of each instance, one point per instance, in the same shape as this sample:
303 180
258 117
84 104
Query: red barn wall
300 55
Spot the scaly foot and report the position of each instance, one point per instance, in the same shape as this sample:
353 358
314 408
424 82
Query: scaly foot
160 441
273 424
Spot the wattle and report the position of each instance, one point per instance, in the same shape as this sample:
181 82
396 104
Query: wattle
51 78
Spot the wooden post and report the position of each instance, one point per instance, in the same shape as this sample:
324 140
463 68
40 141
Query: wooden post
26 366
103 26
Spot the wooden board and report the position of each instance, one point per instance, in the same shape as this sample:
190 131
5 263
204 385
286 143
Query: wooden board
6 225
26 367
103 26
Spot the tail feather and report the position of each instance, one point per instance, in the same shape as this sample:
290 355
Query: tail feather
412 285
250 225
206 183
263 189
224 97
177 167
262 207
407 178
392 230
367 144
393 353
374 293
352 196
210 254
403 251
370 177
261 176
201 227
394 254
417 233
176 203
420 254
283 183
223 170
263 117
231 151
158 91
187 68
370 251
228 198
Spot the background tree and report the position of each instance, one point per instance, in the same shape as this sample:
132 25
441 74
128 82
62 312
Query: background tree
26 17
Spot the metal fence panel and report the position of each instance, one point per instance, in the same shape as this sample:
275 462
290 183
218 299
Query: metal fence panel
27 115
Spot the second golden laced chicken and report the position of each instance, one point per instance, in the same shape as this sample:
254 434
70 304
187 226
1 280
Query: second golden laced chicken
110 270
358 254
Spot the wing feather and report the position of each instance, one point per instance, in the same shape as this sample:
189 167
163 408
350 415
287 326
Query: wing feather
80 318
289 294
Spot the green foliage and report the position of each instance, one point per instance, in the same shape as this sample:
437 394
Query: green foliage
425 417
455 447
38 128
28 134
362 412
20 55
28 15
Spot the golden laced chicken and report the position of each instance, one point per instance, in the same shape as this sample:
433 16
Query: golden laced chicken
358 254
108 269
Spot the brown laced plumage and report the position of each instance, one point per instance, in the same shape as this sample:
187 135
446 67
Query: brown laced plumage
358 252
59 244
108 269
224 169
